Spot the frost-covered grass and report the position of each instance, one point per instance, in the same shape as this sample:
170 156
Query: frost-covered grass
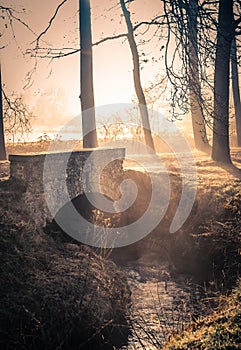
220 330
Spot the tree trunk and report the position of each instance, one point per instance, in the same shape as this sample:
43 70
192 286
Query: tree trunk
198 121
3 155
86 81
236 92
221 149
137 79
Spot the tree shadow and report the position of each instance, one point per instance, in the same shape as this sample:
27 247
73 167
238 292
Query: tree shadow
230 168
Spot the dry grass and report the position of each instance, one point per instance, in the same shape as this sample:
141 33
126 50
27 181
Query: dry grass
55 295
220 330
208 247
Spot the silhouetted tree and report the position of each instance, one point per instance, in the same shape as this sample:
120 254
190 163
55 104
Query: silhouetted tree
86 77
10 17
195 26
236 91
186 66
198 121
137 79
86 68
3 155
225 33
15 117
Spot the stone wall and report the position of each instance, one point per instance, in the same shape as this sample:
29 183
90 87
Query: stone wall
53 179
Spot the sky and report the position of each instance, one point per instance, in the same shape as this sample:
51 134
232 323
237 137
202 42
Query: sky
54 91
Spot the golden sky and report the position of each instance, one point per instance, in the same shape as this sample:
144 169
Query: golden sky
54 93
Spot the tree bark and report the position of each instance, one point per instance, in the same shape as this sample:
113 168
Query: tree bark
236 91
198 121
221 148
86 80
137 79
3 155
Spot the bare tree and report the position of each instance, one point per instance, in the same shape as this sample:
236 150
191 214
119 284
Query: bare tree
86 77
236 91
192 83
137 78
15 117
86 67
10 111
225 33
186 23
198 120
3 155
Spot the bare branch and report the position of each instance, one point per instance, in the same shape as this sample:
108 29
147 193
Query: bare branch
16 115
11 14
52 53
118 36
50 22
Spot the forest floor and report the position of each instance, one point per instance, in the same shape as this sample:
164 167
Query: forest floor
207 251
